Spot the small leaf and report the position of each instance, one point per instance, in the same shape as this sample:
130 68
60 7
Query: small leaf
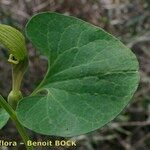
91 77
4 116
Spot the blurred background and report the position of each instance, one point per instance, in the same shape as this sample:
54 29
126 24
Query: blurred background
129 20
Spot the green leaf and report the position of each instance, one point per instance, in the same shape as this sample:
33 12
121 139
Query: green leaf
4 116
91 77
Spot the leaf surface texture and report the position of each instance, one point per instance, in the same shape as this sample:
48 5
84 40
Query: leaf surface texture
91 77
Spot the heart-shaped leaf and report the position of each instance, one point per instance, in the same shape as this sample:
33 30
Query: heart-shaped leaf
91 77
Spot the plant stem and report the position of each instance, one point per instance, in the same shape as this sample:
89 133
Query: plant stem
13 116
18 71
